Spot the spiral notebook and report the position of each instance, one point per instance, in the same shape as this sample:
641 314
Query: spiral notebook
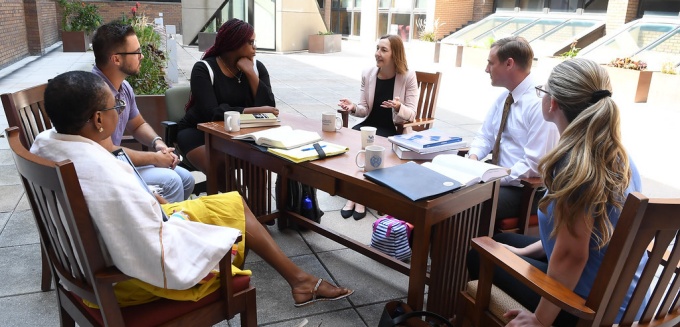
413 181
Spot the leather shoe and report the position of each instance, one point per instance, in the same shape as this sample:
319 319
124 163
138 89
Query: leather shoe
359 215
346 213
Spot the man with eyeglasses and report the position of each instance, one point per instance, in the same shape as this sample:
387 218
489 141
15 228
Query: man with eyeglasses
514 131
118 55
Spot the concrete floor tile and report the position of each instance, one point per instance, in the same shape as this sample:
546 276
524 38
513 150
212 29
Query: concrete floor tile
274 299
28 310
8 173
288 240
358 230
23 203
371 281
20 230
340 318
371 313
6 156
21 270
11 196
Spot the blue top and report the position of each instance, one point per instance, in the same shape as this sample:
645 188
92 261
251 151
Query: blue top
595 256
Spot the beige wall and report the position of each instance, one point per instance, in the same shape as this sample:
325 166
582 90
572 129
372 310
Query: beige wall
195 13
295 21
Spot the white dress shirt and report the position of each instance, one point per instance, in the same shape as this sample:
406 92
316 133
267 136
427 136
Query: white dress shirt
527 136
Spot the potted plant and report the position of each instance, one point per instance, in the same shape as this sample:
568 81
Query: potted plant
151 77
664 86
78 21
630 79
206 39
325 42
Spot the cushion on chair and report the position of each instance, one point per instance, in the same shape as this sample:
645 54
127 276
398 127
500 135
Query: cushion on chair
511 223
500 302
165 310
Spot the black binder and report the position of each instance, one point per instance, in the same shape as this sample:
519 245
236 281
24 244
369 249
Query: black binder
413 181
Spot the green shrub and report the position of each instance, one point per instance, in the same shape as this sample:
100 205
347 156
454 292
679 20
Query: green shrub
573 51
326 33
151 77
78 16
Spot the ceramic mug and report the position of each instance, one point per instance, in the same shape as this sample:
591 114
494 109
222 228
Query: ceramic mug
331 121
232 121
374 157
367 136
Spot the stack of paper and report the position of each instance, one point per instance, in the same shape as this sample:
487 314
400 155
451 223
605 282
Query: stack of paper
426 142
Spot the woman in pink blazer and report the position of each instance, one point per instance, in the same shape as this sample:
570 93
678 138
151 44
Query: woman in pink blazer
389 88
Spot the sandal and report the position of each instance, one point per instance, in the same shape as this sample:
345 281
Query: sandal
316 298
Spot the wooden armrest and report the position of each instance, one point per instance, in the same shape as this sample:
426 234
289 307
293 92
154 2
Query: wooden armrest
111 275
531 276
345 117
226 286
532 182
417 122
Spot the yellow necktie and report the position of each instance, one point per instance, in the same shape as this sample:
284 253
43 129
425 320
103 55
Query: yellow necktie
495 155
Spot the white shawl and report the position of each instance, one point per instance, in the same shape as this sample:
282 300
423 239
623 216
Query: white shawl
175 254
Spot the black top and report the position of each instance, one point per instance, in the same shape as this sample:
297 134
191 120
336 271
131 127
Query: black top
380 117
211 100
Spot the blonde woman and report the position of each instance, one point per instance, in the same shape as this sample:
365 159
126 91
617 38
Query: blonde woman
588 176
389 95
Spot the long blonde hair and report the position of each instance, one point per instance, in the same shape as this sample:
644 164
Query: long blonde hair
589 168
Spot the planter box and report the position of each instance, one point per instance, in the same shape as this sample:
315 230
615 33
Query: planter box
206 40
325 43
78 41
629 85
664 89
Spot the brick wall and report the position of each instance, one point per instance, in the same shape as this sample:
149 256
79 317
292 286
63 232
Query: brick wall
113 10
13 37
452 14
620 12
28 27
481 9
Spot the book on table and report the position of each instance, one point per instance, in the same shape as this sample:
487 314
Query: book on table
284 137
428 141
465 170
406 154
413 181
309 152
259 120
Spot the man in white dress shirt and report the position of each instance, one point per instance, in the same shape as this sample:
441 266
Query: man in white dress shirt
526 136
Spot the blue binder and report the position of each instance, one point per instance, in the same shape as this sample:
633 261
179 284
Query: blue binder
413 181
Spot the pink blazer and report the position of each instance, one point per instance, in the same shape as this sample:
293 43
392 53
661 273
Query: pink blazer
405 87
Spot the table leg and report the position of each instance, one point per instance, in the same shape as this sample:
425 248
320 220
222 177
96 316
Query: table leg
211 177
417 275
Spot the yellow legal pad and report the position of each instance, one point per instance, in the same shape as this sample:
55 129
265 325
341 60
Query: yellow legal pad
308 153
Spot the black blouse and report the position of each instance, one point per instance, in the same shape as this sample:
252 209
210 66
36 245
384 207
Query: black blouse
211 100
380 117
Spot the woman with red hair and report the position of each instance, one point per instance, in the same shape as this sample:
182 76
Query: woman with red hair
227 79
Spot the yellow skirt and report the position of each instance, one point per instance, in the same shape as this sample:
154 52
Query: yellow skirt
225 209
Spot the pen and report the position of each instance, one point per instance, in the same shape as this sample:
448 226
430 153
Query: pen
312 148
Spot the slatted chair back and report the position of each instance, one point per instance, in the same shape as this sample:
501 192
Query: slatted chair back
26 109
76 257
642 221
428 88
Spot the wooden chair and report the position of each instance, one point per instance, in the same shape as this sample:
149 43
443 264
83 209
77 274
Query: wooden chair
642 221
428 88
69 238
175 100
26 109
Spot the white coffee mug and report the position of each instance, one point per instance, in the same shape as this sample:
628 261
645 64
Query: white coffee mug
331 121
367 136
232 121
374 157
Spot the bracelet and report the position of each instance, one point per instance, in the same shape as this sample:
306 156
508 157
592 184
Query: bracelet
153 142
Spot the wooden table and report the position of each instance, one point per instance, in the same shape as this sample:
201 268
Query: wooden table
443 226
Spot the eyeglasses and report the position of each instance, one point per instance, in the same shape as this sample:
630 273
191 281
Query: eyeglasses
540 91
120 106
138 53
252 42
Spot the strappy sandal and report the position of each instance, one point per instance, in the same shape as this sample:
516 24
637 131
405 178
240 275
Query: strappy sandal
316 298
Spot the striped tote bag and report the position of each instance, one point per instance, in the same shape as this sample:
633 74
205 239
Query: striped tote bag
390 236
